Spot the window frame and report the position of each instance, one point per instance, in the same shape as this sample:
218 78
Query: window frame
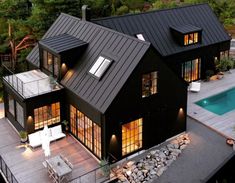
95 68
191 38
152 90
51 67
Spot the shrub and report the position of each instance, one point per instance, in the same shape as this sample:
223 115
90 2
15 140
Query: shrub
225 64
122 10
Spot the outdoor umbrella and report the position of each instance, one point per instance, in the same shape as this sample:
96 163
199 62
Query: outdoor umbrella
46 141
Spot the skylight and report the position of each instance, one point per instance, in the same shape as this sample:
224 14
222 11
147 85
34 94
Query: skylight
100 66
140 37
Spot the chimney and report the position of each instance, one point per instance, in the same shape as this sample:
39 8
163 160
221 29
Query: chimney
86 13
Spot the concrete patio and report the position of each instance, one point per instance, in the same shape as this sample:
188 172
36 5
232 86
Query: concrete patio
223 124
26 163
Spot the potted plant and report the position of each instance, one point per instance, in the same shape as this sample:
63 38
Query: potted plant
23 136
209 73
66 125
105 167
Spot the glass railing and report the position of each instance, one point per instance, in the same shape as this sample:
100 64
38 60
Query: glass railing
32 88
7 172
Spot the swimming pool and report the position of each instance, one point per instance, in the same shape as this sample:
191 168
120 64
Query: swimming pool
220 103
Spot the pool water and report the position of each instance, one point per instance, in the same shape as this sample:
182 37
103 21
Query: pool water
220 103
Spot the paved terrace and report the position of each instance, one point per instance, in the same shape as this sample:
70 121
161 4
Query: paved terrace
223 124
26 164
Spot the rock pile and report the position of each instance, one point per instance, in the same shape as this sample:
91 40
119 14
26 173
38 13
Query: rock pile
154 163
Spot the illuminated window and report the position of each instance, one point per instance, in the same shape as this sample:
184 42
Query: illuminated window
47 115
88 132
80 125
191 70
100 66
97 140
73 120
149 84
11 105
132 136
140 37
51 62
191 38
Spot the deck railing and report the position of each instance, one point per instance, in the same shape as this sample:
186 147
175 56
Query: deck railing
98 175
7 172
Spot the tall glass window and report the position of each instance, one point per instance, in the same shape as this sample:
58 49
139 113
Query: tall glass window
47 115
191 70
80 125
73 120
51 62
11 105
132 136
88 132
149 84
19 114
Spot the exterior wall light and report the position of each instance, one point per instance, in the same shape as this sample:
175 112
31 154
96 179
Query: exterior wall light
30 119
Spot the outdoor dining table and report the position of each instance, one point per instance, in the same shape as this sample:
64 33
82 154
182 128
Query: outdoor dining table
59 166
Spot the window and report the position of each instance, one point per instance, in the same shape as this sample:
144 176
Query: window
132 136
97 139
140 37
149 84
100 66
224 54
11 105
191 38
51 62
73 120
88 132
19 114
80 125
47 115
191 70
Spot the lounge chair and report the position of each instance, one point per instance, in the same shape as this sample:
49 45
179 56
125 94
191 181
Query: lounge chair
195 87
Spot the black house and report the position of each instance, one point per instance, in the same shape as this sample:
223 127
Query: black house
189 39
119 94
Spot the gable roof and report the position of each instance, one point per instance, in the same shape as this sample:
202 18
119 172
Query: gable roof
62 43
155 26
125 51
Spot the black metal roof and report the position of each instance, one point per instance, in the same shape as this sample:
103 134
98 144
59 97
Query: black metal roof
125 51
155 26
62 43
185 29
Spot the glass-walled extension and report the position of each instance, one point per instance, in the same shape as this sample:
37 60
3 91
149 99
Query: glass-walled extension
88 132
132 134
191 70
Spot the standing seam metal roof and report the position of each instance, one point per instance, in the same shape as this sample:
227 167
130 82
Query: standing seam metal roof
155 26
62 43
125 51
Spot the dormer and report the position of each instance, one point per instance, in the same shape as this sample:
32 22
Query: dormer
59 53
186 35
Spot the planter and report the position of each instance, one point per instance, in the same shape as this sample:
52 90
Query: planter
23 140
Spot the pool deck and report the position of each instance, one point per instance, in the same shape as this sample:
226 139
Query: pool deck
223 124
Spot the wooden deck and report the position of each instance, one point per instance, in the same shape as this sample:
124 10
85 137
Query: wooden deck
223 124
26 164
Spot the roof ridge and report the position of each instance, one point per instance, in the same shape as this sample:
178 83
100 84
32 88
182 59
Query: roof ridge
116 32
151 11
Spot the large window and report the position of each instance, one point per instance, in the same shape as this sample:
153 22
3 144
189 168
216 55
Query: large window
11 105
149 84
132 136
47 115
19 114
191 70
88 132
50 62
191 38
